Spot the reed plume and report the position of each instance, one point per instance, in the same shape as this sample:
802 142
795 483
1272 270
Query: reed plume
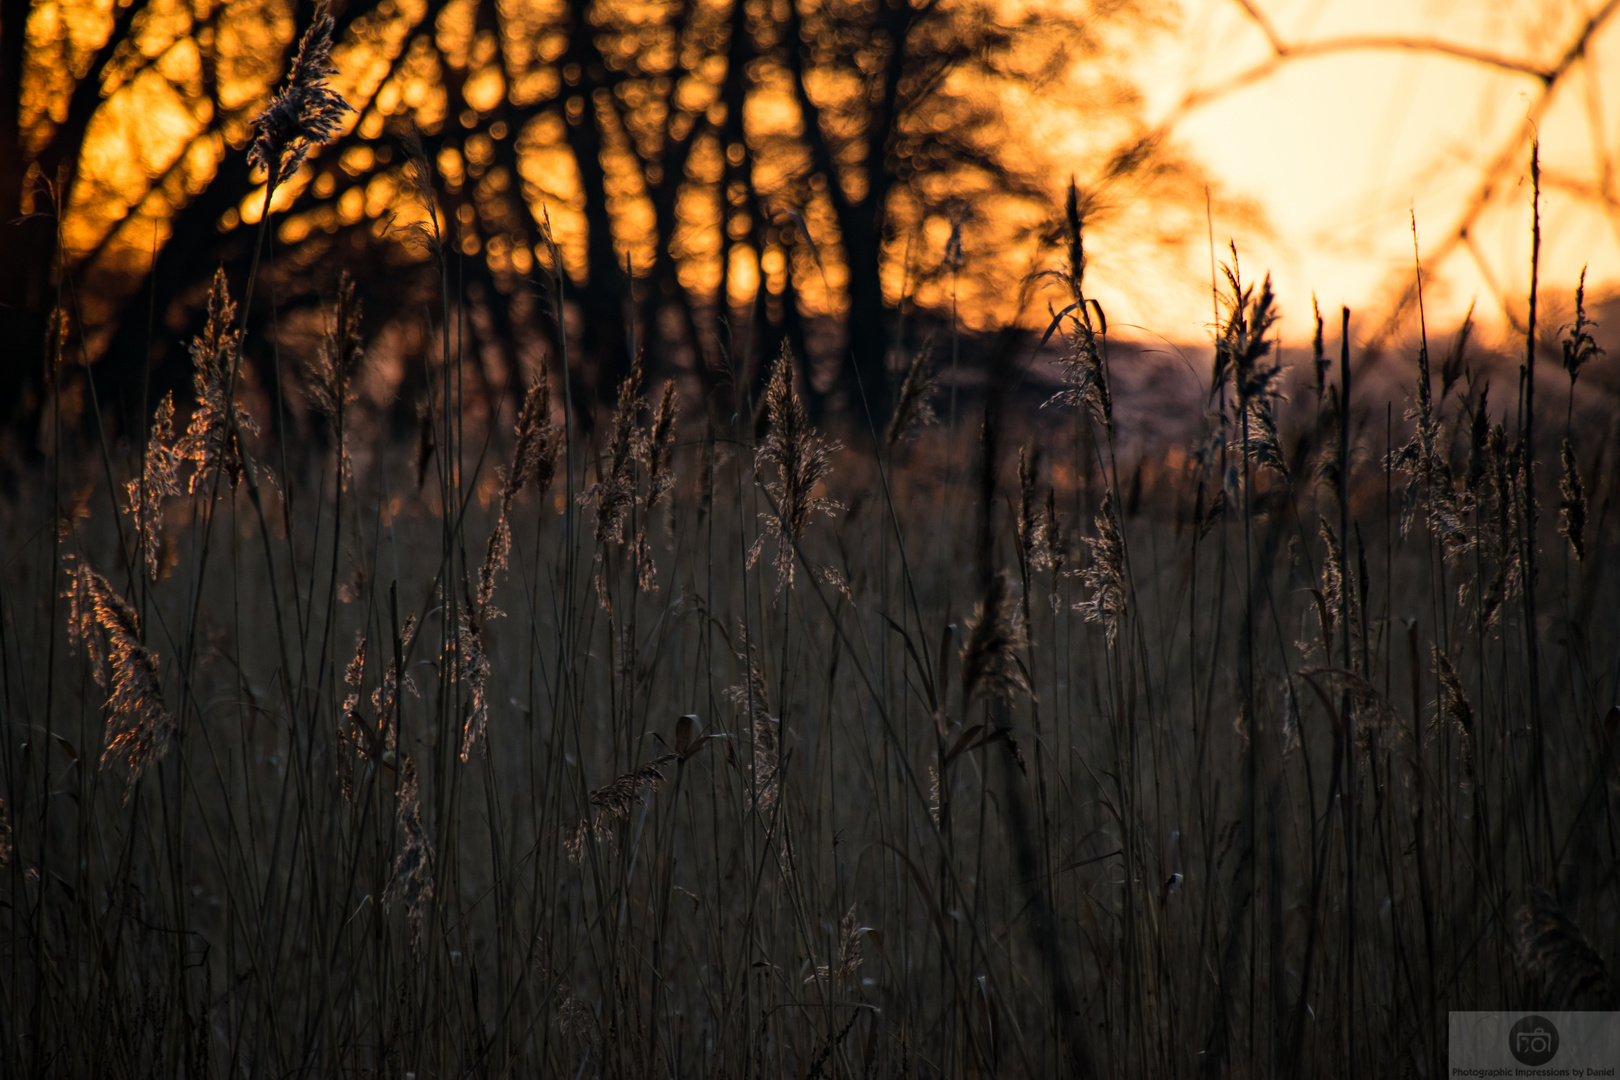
1105 575
351 729
1454 707
752 696
1241 349
159 480
1572 504
1552 948
537 444
412 880
1579 347
915 408
849 953
1244 343
1084 373
801 459
1031 526
139 728
212 441
655 447
385 699
330 373
472 669
613 801
991 665
307 112
614 492
1055 549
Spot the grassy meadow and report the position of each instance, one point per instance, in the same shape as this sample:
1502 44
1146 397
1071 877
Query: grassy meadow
989 739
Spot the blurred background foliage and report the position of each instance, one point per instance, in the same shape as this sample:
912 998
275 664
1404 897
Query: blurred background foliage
718 177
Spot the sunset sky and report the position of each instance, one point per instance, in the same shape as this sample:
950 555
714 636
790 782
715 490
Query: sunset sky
1336 149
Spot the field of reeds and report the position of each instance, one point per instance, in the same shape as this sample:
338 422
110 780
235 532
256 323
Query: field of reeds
986 739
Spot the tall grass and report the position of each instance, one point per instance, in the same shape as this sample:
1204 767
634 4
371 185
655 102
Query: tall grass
714 747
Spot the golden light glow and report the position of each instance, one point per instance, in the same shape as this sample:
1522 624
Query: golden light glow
1314 161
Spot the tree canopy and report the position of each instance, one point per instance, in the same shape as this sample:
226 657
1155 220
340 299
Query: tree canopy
716 175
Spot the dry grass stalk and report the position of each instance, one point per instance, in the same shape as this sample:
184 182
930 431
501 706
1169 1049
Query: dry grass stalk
1084 372
1455 710
1377 722
412 879
1454 706
1579 347
351 729
1032 524
213 438
613 802
537 445
1454 366
331 372
1244 342
655 446
1338 598
575 1016
6 838
615 799
139 728
159 479
991 664
1241 349
849 952
1554 950
915 409
385 699
307 112
427 442
472 669
752 696
1572 504
933 793
614 492
1105 576
801 459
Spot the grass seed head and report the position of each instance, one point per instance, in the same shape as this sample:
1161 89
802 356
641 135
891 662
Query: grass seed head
915 409
330 373
139 728
614 492
1553 948
213 438
412 879
991 666
307 112
472 669
801 460
1572 503
1105 576
655 447
1579 347
159 480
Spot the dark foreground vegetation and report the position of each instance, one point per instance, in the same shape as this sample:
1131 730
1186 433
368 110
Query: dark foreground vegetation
680 741
712 747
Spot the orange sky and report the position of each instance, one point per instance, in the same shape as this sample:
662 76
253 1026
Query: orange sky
1337 148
